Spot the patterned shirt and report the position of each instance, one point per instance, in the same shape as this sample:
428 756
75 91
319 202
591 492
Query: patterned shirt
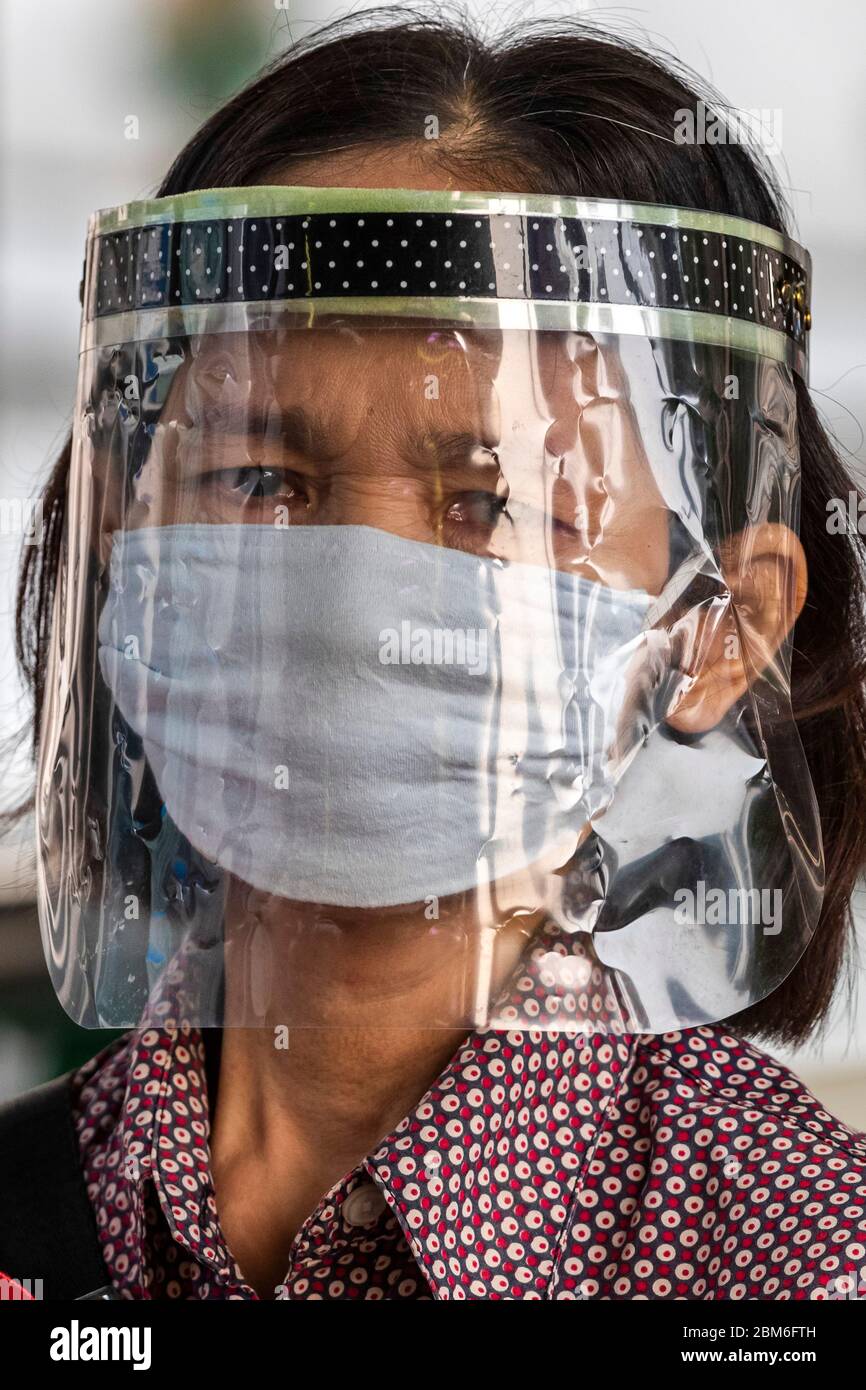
541 1165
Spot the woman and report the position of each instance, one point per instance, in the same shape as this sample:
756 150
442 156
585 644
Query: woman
482 953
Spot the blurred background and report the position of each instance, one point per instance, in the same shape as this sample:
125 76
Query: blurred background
97 97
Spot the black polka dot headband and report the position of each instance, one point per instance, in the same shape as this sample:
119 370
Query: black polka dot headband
480 259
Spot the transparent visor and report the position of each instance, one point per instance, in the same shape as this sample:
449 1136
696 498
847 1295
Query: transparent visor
424 668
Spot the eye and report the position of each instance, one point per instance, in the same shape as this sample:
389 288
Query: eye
257 481
212 372
478 509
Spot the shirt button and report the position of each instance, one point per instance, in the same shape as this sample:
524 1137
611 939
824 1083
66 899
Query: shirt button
364 1206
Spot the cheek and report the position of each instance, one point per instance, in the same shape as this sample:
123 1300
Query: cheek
639 553
654 561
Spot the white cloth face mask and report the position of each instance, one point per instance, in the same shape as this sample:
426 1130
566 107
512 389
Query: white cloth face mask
337 715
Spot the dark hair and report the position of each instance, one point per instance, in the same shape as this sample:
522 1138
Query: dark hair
556 107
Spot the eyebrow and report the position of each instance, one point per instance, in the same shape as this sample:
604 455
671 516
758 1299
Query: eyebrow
305 433
456 453
293 426
308 433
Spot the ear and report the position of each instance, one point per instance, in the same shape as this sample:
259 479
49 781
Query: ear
764 569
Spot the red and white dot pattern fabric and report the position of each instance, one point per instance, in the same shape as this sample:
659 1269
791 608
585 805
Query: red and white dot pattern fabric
541 1165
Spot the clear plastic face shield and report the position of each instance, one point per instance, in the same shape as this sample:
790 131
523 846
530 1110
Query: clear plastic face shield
421 645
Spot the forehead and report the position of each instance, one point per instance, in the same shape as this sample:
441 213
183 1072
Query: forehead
362 368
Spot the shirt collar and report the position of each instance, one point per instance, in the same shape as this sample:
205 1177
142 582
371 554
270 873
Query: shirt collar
166 1100
499 1146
